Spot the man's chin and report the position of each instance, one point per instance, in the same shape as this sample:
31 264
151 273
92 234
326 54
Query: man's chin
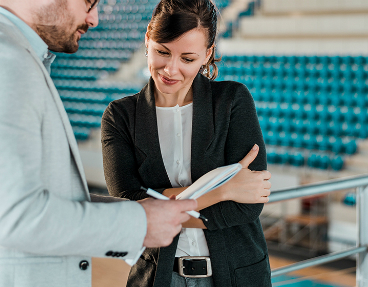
69 49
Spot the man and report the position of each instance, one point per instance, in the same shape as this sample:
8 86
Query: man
49 228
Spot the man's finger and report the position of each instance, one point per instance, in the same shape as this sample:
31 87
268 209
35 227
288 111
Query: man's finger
249 158
184 217
185 204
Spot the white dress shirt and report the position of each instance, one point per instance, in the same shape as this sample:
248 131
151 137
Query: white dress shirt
175 135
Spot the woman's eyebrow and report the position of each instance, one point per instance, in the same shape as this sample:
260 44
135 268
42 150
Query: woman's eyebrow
187 53
190 53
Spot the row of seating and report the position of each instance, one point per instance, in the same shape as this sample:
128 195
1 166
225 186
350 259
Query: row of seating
113 35
84 121
88 87
126 2
125 26
85 108
110 44
81 133
99 64
91 97
118 18
122 8
68 74
311 142
293 59
314 127
291 85
99 54
313 160
306 97
324 73
322 113
152 3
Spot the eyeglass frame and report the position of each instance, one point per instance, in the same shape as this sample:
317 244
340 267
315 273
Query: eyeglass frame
92 5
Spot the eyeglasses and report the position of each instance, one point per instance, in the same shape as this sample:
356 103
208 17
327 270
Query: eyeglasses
91 4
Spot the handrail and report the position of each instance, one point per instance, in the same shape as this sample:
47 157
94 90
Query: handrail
319 188
317 261
360 183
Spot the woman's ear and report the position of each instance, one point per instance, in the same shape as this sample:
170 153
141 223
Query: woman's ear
146 39
208 54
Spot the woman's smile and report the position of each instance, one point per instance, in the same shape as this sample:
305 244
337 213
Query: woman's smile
167 81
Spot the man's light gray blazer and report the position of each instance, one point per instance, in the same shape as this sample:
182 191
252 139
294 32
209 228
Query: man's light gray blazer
47 223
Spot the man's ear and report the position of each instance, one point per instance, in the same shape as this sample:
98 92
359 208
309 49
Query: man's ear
208 54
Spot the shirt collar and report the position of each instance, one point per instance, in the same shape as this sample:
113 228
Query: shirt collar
38 45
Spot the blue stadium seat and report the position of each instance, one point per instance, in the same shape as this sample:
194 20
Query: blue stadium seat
337 163
350 199
297 160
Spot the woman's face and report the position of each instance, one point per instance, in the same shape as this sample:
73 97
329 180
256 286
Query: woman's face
173 66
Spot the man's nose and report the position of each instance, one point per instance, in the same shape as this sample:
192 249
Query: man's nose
92 17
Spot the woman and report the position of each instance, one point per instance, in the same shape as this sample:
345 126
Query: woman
177 128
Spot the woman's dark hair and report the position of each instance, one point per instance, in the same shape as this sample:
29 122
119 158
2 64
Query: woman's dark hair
173 18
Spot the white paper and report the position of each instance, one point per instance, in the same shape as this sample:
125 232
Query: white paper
209 181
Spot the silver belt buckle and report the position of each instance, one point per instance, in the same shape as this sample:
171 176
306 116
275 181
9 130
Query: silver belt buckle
181 266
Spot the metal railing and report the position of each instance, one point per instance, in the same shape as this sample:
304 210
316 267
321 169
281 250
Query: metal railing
361 185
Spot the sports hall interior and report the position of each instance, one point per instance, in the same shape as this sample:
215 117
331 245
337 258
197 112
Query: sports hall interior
305 63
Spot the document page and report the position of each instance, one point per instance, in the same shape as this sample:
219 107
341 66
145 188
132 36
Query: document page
209 181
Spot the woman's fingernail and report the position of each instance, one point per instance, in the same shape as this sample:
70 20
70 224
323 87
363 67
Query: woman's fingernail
255 147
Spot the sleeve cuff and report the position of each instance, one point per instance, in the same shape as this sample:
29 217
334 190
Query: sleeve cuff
134 260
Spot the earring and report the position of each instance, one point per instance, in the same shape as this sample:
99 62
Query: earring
203 70
146 52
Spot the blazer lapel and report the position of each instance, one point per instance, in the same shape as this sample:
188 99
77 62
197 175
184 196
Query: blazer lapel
147 140
65 120
67 127
203 125
64 117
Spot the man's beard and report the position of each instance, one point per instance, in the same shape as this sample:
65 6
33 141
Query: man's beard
56 27
60 38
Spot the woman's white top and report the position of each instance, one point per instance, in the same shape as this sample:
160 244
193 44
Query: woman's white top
175 135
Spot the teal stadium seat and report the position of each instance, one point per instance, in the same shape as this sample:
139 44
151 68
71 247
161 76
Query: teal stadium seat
313 103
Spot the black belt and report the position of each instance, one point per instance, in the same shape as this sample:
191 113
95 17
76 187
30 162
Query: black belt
193 266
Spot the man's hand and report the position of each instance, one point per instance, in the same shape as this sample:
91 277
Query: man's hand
164 219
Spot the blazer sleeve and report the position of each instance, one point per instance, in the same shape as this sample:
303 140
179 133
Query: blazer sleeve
243 132
119 161
33 218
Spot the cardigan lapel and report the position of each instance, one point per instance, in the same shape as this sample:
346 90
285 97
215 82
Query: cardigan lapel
203 125
147 140
146 132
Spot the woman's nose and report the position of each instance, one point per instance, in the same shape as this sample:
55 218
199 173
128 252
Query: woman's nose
171 67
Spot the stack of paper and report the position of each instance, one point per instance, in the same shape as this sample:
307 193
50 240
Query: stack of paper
209 181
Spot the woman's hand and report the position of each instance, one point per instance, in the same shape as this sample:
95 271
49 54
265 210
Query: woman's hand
247 186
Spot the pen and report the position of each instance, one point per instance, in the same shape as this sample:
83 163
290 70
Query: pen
158 195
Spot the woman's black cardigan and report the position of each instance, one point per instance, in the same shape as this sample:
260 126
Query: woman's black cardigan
225 128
